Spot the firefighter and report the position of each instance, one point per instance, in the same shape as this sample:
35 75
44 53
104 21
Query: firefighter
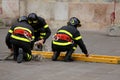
66 39
41 29
19 38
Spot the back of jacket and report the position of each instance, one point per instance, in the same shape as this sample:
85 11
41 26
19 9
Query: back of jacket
16 32
75 36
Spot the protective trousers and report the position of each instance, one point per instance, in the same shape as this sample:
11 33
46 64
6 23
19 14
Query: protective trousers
57 49
26 49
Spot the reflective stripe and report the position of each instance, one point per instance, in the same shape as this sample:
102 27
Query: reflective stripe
10 31
29 56
66 32
19 38
29 21
72 21
35 21
42 33
23 29
33 37
74 48
79 37
41 37
46 26
62 44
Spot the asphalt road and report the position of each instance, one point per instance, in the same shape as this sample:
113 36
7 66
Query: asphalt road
96 43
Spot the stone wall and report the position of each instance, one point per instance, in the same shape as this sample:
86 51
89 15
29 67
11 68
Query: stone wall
94 14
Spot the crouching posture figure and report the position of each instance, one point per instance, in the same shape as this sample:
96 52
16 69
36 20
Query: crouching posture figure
66 39
19 38
41 30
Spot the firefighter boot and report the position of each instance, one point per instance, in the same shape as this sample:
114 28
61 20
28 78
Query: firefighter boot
68 56
55 56
27 57
20 56
15 56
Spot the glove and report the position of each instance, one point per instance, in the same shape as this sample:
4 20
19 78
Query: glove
87 55
40 42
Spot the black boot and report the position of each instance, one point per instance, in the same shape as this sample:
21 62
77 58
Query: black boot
68 56
55 56
15 56
20 56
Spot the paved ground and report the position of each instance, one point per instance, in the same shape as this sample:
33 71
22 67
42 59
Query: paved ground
97 43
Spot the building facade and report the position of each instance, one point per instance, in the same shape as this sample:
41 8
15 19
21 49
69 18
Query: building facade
94 14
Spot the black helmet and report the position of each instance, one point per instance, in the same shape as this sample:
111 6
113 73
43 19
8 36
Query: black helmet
23 18
74 22
32 18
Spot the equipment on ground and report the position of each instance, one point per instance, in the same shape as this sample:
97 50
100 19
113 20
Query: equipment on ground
81 57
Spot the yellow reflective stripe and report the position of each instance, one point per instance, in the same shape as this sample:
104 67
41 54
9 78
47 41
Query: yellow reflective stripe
41 37
74 48
35 21
29 56
23 29
72 21
42 33
62 44
46 26
29 21
19 38
10 31
66 32
79 37
33 37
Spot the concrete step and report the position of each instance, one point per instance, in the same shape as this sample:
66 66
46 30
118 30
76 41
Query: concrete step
81 57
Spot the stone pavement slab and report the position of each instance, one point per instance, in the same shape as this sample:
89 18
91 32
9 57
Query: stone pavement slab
96 42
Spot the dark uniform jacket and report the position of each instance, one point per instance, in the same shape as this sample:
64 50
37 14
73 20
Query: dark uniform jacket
74 34
41 30
21 31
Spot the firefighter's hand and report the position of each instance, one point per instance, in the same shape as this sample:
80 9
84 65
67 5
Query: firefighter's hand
87 55
39 42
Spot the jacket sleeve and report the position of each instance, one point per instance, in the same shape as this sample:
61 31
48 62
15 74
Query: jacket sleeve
78 40
33 35
8 37
82 46
33 38
7 40
48 33
46 28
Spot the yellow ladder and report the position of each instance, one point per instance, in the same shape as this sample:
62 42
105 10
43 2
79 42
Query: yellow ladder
81 57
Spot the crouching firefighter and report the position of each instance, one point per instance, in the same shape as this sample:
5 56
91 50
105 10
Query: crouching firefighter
66 39
41 30
19 38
